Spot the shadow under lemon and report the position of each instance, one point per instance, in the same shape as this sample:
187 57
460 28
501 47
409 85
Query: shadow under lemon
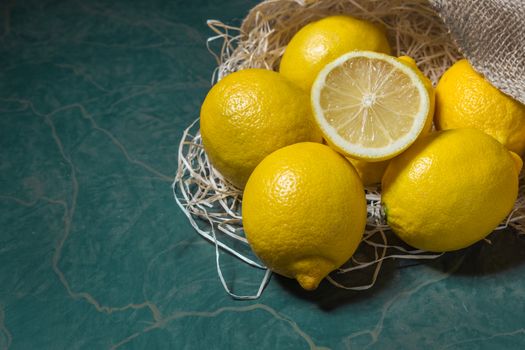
329 297
502 251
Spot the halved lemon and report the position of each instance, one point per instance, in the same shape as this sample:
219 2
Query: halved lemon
369 105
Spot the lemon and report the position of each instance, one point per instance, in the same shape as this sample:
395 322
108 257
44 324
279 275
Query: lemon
464 99
320 42
371 106
304 212
370 173
248 115
450 189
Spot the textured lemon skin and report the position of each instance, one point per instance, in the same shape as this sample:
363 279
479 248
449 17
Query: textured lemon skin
248 115
320 42
466 100
370 173
450 189
304 212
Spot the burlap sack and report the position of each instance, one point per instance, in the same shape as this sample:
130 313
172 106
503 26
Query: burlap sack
491 35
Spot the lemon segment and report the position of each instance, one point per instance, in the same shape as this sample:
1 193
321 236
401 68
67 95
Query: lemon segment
369 105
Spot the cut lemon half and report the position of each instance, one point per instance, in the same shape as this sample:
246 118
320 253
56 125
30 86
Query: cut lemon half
369 105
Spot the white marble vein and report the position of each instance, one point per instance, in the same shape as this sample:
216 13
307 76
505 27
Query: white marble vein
69 208
375 333
520 331
56 259
69 212
47 117
210 314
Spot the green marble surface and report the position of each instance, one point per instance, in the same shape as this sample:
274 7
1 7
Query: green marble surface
94 252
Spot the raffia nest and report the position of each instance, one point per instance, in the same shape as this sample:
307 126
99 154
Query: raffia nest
213 206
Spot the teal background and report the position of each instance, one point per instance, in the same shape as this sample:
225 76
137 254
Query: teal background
94 252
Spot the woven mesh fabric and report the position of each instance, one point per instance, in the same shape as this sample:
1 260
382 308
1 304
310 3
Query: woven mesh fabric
491 35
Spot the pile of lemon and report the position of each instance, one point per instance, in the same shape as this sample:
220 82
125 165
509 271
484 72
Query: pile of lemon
342 113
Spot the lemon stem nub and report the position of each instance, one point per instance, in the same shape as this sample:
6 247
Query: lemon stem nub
308 282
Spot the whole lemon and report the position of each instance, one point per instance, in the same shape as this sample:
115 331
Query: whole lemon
320 42
464 99
248 115
304 212
450 189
